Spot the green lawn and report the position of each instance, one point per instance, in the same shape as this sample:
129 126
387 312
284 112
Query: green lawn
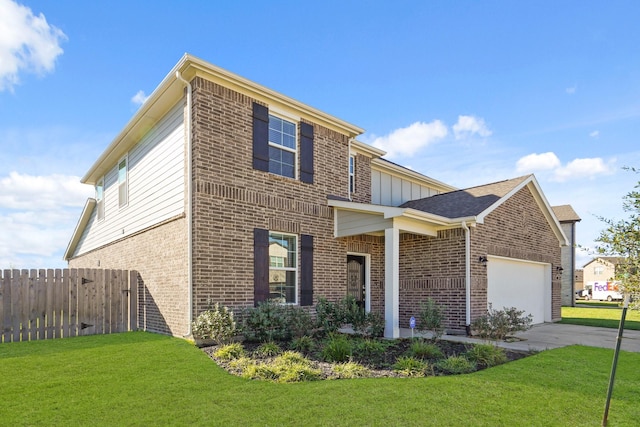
146 379
600 316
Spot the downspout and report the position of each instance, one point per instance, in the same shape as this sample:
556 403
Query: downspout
189 203
349 168
467 277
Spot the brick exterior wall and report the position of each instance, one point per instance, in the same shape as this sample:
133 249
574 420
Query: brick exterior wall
517 229
231 199
159 254
362 192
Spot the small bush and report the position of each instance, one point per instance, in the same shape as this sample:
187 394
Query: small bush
431 318
456 365
299 322
350 370
486 355
286 368
304 344
498 324
424 350
268 349
266 322
410 366
230 352
329 315
337 348
369 348
241 363
216 323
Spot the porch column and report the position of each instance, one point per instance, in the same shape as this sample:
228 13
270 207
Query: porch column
391 282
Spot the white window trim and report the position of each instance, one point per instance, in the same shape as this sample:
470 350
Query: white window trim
125 183
100 201
296 153
294 269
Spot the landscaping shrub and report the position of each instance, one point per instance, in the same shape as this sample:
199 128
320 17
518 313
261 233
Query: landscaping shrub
431 318
299 322
303 344
350 370
456 365
230 351
487 355
424 350
266 322
268 349
498 324
216 323
411 366
329 315
337 348
369 348
289 367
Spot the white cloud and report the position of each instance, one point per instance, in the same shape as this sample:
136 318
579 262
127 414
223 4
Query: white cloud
582 168
594 134
470 125
37 216
537 162
27 43
571 90
22 191
409 140
139 98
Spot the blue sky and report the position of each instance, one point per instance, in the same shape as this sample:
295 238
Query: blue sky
467 92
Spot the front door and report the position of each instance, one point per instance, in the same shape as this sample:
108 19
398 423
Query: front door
356 285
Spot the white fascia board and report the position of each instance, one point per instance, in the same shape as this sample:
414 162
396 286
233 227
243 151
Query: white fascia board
80 226
366 149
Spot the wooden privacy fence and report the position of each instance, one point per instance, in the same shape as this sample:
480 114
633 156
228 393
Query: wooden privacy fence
44 304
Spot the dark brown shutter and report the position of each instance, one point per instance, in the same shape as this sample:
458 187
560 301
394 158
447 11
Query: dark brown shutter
306 153
260 137
306 267
260 265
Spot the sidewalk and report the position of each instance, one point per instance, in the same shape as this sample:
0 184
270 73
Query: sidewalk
554 335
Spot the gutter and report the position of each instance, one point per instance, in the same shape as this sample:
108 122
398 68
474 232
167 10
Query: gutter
189 202
467 276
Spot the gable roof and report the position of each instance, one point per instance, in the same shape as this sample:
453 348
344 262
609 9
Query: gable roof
478 202
614 260
171 90
565 213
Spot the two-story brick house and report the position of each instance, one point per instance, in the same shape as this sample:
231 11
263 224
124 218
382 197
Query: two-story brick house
219 189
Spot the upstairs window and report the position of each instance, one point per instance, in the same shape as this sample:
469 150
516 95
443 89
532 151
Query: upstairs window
282 147
100 198
598 271
123 196
352 174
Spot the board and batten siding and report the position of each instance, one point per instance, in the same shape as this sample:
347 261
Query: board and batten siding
156 185
389 190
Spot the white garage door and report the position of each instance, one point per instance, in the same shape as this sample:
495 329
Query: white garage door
521 284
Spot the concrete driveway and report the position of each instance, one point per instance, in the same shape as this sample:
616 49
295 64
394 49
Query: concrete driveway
554 335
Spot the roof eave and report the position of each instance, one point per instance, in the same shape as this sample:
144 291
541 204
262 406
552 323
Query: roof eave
80 226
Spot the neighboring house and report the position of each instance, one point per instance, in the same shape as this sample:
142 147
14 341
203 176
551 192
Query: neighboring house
579 279
222 190
568 219
601 269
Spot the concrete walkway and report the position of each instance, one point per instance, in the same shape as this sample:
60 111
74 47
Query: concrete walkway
554 335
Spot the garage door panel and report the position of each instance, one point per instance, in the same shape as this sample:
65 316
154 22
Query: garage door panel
518 283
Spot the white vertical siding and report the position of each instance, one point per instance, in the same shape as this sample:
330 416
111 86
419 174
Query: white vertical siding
156 180
390 190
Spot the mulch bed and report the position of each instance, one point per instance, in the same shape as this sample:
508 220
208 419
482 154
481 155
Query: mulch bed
380 366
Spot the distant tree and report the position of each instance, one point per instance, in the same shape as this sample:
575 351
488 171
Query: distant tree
622 238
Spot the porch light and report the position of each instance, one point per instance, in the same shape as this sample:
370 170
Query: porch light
483 260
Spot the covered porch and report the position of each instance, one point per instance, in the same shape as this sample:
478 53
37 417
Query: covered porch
358 219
